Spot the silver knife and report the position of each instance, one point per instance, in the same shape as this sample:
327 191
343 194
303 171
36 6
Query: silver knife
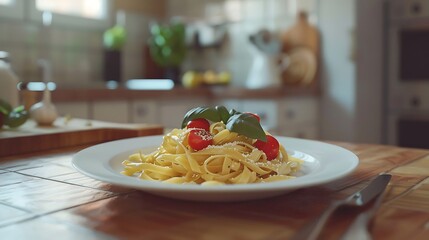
358 230
360 198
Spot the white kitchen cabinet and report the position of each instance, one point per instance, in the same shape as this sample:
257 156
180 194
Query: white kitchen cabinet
73 109
307 131
292 116
301 110
266 109
144 111
171 112
111 111
231 104
299 117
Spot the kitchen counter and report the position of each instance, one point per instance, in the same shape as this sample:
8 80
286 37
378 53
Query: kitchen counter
291 111
212 92
42 195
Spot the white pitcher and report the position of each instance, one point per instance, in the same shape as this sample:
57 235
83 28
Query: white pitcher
8 81
264 72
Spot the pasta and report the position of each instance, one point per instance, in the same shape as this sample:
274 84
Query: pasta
231 159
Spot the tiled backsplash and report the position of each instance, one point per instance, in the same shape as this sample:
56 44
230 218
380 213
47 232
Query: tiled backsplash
243 17
76 54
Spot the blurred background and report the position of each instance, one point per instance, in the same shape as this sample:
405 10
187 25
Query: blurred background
311 68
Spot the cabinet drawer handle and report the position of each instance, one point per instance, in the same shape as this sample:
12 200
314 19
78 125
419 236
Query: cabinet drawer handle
290 114
141 111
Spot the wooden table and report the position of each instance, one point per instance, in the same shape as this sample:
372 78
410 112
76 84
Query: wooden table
42 196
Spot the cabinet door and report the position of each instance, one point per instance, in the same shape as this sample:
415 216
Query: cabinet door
111 111
172 112
298 111
73 109
144 111
299 117
231 104
266 109
308 131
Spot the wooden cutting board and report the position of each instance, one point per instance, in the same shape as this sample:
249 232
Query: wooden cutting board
30 138
301 34
301 44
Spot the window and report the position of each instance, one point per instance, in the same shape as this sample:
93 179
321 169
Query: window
76 13
6 2
12 9
95 9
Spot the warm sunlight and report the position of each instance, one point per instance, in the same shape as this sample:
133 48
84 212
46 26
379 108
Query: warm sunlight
6 2
83 8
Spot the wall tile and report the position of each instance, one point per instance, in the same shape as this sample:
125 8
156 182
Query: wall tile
32 36
16 34
3 34
76 54
254 10
132 67
254 15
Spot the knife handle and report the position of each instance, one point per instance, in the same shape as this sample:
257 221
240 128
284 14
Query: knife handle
312 231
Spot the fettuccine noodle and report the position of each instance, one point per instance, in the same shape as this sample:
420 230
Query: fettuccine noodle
230 160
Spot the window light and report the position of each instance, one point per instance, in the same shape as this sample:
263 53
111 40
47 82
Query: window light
95 9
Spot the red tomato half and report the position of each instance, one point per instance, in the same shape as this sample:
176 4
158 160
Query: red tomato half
199 139
270 147
199 123
255 115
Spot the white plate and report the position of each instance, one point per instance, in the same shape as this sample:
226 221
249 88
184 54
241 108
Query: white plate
322 163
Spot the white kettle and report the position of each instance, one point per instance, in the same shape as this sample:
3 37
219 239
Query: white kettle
264 72
266 69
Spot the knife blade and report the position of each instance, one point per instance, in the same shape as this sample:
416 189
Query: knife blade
376 187
358 199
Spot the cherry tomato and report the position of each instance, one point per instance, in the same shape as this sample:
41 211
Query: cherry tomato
199 123
270 147
255 115
199 139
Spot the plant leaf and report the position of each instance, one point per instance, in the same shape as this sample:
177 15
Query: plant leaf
223 113
16 118
19 109
247 125
201 112
233 112
5 107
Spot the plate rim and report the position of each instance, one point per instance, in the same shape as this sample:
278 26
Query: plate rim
146 185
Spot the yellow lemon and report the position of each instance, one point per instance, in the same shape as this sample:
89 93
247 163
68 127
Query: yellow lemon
191 79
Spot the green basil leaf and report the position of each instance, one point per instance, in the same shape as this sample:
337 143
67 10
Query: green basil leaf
201 112
5 107
233 112
223 113
247 125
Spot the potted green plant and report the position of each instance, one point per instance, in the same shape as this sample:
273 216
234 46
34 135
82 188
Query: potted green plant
168 48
